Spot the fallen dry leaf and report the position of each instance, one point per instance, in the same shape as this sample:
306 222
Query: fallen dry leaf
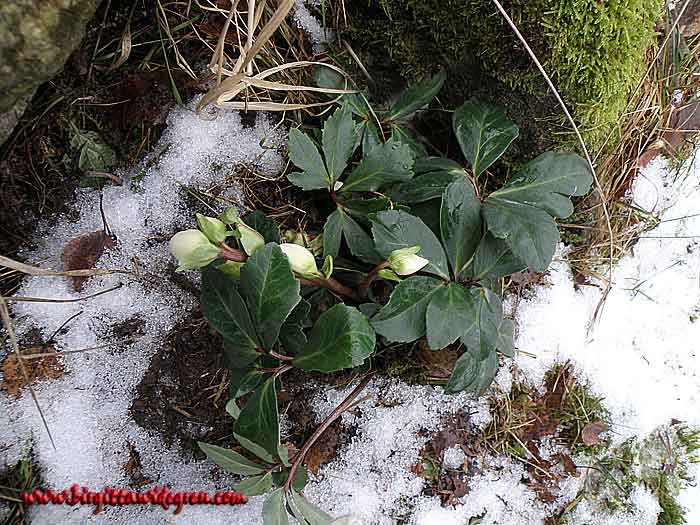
83 251
592 431
49 367
324 449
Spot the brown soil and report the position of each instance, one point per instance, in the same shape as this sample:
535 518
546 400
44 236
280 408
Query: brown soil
183 394
39 369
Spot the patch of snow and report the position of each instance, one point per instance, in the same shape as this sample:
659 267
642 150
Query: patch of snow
311 25
87 410
453 458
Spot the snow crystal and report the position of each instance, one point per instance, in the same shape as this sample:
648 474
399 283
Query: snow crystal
318 34
87 410
453 458
372 478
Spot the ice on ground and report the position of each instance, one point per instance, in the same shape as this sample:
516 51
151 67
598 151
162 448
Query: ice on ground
312 26
87 410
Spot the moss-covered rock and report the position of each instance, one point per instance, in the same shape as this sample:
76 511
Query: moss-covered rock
37 38
593 49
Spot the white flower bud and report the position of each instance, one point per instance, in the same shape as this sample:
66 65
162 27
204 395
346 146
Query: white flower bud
406 262
214 229
192 249
250 239
301 260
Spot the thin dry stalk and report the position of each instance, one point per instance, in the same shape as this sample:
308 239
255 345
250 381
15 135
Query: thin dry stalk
599 188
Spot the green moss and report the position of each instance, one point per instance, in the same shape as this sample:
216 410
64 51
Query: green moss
593 49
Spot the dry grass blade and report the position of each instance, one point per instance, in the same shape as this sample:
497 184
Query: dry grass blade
22 299
35 270
599 188
241 78
5 314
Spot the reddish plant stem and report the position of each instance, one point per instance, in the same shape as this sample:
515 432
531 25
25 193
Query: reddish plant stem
232 254
363 289
337 412
281 357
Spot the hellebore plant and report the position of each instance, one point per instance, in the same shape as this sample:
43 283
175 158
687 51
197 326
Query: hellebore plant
413 227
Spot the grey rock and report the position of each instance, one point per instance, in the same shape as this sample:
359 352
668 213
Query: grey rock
36 38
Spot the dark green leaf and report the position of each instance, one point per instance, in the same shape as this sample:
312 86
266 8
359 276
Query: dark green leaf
274 511
341 338
404 136
370 137
265 226
271 291
94 153
225 309
483 132
304 154
403 317
232 409
231 461
237 355
385 164
482 330
504 343
359 242
244 381
259 421
424 187
332 234
429 213
308 182
448 315
360 208
292 334
416 97
493 260
301 478
530 233
460 224
394 229
305 512
430 164
339 136
254 448
369 309
254 486
547 182
473 373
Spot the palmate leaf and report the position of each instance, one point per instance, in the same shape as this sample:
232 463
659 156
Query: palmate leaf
483 328
547 182
416 97
339 137
244 381
448 315
341 338
338 225
472 372
424 187
460 224
273 510
231 461
393 230
270 290
306 512
520 212
292 335
226 310
304 154
402 319
483 132
258 421
384 164
493 260
529 232
403 135
432 164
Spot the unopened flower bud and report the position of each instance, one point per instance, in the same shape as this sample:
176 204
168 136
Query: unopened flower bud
301 260
389 275
214 229
250 239
405 261
192 249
